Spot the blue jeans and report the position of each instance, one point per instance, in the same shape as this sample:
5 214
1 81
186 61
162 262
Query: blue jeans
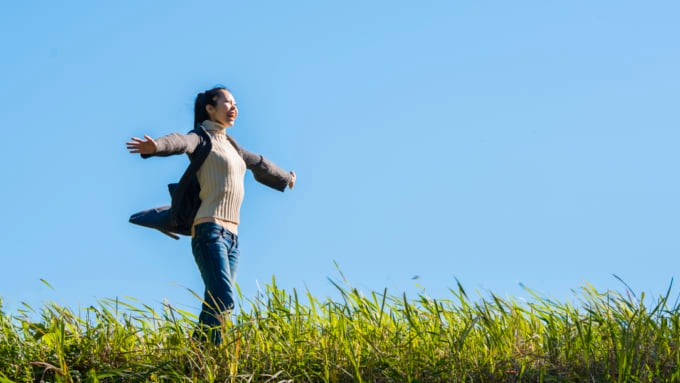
216 253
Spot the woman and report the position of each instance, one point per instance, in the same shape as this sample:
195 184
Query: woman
214 183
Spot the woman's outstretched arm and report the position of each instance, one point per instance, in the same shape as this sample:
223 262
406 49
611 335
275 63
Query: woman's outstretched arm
170 144
268 173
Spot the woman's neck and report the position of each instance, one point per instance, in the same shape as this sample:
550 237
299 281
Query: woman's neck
213 125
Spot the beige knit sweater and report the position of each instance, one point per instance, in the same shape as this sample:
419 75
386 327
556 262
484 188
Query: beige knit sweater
221 177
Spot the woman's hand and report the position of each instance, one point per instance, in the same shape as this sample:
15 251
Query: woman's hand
146 146
291 183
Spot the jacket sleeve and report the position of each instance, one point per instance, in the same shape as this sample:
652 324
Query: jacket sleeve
175 143
265 171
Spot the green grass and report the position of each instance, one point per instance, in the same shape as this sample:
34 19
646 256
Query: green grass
376 337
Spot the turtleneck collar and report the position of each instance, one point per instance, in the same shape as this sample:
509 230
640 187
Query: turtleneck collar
213 126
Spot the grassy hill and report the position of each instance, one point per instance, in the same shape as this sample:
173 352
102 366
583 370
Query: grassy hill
376 337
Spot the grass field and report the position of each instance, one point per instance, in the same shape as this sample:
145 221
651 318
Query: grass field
279 336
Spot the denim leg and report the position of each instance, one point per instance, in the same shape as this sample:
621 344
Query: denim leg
216 253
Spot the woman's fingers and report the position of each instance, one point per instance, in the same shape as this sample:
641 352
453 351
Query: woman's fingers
133 146
291 184
140 141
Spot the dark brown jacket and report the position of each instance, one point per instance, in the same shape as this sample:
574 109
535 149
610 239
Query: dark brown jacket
179 216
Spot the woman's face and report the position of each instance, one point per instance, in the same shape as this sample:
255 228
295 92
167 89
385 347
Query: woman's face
225 110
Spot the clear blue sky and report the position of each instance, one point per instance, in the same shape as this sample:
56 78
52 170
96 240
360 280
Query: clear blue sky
497 143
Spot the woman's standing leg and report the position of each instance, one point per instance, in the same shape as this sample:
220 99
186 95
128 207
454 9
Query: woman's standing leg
216 253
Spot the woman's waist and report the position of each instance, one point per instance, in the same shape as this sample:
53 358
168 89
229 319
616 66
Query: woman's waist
229 225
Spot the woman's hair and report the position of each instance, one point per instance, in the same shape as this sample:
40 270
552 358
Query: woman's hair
203 99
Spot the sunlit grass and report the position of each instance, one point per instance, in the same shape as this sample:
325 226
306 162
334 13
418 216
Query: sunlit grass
360 337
